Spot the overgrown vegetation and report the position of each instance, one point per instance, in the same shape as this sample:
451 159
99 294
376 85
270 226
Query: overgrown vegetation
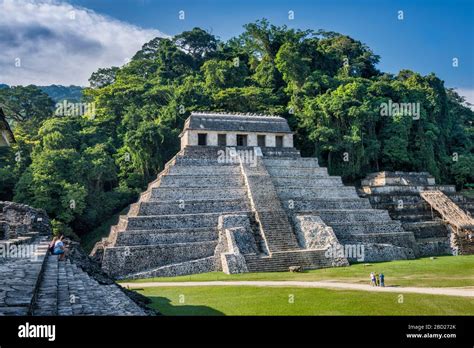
84 168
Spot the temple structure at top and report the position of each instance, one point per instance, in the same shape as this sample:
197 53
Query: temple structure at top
224 129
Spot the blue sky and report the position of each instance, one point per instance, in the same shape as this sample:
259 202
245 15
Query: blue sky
432 33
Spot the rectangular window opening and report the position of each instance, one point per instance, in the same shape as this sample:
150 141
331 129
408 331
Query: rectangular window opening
202 139
279 141
241 139
222 139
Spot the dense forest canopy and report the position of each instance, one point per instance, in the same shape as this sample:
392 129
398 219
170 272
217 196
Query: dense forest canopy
82 168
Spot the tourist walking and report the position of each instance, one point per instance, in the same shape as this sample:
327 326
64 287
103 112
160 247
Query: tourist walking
372 279
376 279
382 279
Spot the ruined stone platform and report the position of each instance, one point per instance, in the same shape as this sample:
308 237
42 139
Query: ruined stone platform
399 193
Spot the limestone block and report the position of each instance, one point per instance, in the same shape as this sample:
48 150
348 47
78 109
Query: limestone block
313 233
233 263
386 252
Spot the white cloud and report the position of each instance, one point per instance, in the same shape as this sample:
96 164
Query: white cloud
57 43
468 94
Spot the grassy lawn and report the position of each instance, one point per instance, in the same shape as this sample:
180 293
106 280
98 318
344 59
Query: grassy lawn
248 300
443 271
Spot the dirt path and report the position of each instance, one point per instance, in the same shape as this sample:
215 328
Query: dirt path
312 284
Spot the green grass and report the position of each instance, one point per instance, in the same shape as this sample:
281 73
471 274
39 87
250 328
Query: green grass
443 271
248 300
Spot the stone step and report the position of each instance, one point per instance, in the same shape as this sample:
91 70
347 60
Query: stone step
172 221
168 236
193 207
427 229
196 193
64 304
353 216
187 161
403 189
316 172
292 163
296 193
302 182
280 262
47 300
67 290
20 269
356 228
204 170
399 239
322 204
211 180
277 230
412 215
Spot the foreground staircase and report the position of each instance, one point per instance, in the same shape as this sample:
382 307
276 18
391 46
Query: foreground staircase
65 289
19 277
36 283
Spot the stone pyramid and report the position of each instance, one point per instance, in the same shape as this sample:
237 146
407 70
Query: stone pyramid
238 197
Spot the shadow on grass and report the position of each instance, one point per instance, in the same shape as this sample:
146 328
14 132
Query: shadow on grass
164 306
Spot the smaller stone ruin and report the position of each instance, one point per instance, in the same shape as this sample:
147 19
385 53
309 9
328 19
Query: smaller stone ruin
401 194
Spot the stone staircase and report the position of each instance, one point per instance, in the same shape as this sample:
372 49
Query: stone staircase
66 289
272 219
277 230
461 223
36 283
19 277
306 189
281 261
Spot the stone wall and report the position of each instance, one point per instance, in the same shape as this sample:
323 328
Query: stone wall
236 237
313 233
19 219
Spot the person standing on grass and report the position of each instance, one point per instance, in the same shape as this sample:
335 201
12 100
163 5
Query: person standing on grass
372 278
376 279
382 279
